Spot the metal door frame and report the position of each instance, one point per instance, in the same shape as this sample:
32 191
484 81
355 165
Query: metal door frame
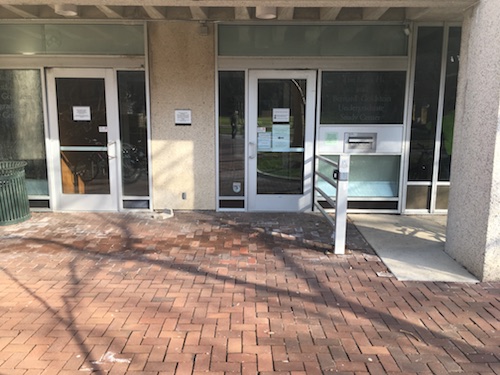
81 202
285 202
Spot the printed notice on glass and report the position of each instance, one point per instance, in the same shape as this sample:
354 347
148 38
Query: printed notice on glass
331 139
281 115
281 137
81 114
263 141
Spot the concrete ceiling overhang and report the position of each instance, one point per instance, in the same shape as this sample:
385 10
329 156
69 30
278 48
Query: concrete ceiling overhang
241 10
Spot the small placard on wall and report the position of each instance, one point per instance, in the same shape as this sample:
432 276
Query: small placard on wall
182 117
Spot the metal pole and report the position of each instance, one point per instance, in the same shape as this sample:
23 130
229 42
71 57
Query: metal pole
341 204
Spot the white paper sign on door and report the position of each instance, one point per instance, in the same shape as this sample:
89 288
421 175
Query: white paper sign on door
281 115
81 113
281 137
263 141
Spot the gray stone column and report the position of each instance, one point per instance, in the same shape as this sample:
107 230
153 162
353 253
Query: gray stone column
473 234
182 76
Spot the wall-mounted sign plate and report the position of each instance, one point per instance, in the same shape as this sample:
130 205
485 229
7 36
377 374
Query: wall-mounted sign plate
183 117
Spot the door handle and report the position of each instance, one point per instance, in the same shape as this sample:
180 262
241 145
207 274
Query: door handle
111 150
251 150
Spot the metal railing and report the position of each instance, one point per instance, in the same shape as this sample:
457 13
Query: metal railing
339 181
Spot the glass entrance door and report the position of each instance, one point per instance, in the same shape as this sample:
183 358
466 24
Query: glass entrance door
281 132
84 136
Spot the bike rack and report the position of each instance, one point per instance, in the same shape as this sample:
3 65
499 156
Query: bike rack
339 181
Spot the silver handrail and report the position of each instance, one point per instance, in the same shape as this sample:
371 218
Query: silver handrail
340 182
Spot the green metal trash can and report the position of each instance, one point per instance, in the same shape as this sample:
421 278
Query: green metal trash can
14 202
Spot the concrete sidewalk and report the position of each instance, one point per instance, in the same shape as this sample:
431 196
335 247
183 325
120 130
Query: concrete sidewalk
216 293
412 246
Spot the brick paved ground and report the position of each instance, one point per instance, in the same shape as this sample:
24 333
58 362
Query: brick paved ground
213 293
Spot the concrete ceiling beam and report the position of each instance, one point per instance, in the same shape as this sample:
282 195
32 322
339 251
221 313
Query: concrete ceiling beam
111 12
373 14
329 14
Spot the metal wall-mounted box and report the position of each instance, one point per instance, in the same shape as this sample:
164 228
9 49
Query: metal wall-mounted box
389 139
360 143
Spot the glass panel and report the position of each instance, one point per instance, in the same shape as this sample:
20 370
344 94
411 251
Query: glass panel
425 103
226 203
327 169
21 39
22 125
418 197
312 40
85 172
94 39
81 107
136 204
86 95
443 193
133 133
231 133
362 97
72 39
280 136
450 97
374 176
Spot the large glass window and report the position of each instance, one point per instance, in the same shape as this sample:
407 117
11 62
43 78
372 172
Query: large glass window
425 103
312 40
133 133
232 137
450 97
22 126
428 178
362 97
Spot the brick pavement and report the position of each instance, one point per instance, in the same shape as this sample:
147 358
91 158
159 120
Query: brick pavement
219 293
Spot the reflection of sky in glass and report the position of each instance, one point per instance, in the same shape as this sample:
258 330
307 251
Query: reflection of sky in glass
312 40
72 39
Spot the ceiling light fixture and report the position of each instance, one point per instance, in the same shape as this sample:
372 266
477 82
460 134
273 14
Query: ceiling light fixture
203 28
265 13
407 29
66 10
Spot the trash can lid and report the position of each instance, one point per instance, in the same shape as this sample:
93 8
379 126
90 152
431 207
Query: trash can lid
11 165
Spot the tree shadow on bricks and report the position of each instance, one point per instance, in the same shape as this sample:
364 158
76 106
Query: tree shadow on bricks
332 310
63 324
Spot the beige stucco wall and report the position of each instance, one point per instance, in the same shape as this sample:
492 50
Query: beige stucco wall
182 76
473 234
